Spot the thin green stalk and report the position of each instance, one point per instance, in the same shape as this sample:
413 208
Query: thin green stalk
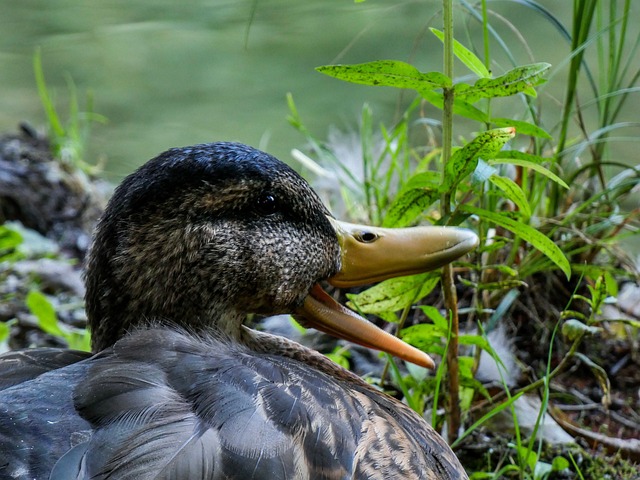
448 287
366 142
487 54
485 35
612 78
583 11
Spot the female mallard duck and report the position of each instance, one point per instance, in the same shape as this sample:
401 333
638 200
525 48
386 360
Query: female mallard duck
189 244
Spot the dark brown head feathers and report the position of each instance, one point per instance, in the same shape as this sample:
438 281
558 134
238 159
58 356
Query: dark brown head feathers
201 236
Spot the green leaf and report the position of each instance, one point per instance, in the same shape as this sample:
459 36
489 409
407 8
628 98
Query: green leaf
388 73
294 323
465 159
40 306
471 386
80 339
611 284
532 91
428 179
559 463
416 195
518 155
513 192
529 456
394 294
487 416
527 164
528 233
340 355
436 317
523 128
45 98
466 56
541 470
518 80
408 206
5 330
466 366
460 107
477 340
574 329
9 238
425 336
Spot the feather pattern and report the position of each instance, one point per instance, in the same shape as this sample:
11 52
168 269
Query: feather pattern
215 410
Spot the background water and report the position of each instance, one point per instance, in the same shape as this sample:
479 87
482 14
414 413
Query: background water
169 73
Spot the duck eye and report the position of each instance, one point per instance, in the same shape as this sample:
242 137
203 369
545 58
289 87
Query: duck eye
366 237
267 204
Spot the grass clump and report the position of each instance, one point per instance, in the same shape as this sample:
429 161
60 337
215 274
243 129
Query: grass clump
68 141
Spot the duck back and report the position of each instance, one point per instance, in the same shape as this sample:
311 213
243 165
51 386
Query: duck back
38 420
182 407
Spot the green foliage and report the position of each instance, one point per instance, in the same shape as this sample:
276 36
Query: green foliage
615 78
553 207
41 307
412 202
466 56
5 331
341 356
392 73
538 240
465 160
387 73
68 143
13 248
518 80
394 294
10 240
573 329
541 470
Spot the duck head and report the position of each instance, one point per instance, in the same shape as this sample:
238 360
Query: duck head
201 236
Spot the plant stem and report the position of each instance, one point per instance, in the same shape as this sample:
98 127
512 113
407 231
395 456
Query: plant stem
583 11
451 300
485 36
448 288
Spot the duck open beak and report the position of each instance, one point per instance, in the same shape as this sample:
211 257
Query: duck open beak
371 254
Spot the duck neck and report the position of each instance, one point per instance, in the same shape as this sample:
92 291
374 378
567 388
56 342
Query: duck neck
117 318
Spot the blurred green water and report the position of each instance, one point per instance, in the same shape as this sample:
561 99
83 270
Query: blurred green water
169 73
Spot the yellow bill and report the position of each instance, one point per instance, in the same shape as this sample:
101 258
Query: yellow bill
372 254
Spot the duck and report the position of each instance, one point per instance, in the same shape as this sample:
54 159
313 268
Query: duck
177 386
